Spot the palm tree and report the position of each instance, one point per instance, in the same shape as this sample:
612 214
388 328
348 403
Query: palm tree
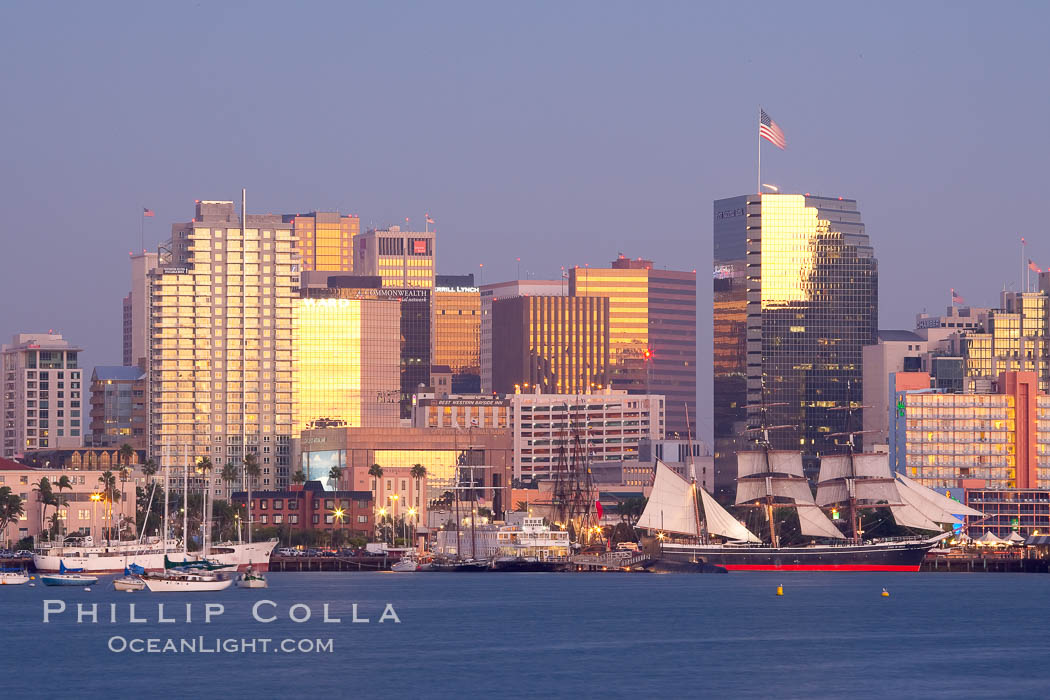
418 472
126 452
376 472
109 485
631 509
205 467
229 475
149 468
11 509
522 506
62 484
252 472
299 478
335 474
45 496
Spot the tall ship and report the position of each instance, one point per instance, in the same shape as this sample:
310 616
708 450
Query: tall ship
693 527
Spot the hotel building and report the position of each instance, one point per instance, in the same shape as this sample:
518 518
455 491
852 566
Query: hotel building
402 259
457 331
325 240
42 393
118 407
507 290
558 344
221 364
795 301
611 424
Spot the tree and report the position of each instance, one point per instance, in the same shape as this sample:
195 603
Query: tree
63 484
11 509
631 509
229 474
109 486
418 472
149 468
299 478
335 474
252 472
205 468
522 506
126 452
45 496
376 472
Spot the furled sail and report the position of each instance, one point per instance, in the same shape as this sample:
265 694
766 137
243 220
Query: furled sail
671 506
813 523
720 522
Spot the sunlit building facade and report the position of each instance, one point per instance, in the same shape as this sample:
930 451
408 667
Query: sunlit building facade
1015 338
457 331
325 240
221 363
402 259
796 287
559 344
507 290
348 362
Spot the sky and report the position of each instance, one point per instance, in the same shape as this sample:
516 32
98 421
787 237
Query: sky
562 133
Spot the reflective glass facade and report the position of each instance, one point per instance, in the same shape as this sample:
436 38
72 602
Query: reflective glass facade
348 368
1016 338
457 335
325 240
628 292
806 274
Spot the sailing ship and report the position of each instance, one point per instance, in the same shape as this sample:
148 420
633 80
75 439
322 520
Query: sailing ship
455 561
531 546
770 480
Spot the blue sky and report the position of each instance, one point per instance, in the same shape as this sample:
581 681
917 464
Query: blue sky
561 132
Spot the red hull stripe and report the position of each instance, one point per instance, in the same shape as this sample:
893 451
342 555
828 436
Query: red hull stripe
821 567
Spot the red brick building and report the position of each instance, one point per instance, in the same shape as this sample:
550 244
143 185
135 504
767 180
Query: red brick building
312 508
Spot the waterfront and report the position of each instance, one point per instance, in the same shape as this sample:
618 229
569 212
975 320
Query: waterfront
562 634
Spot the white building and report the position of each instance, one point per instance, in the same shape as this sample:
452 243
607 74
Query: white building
43 394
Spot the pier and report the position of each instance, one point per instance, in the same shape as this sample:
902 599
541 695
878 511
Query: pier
279 563
613 561
986 564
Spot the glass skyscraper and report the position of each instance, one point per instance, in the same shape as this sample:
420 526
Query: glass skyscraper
795 301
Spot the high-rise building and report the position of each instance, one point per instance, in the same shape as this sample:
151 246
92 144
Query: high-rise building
795 301
348 361
402 259
42 393
415 336
118 407
457 331
325 240
221 365
1014 338
559 344
136 310
652 332
506 290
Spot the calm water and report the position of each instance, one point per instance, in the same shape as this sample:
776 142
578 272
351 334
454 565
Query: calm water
553 635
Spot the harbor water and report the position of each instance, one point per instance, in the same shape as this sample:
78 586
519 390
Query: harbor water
548 635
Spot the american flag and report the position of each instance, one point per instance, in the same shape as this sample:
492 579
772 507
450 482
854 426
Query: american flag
956 299
147 212
1032 266
768 129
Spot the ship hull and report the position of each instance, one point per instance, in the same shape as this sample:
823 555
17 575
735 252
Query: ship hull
889 556
96 560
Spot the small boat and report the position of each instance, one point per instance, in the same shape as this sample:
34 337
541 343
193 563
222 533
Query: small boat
252 579
131 580
453 564
68 577
13 577
405 564
189 580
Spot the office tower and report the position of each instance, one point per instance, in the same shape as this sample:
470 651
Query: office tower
415 337
118 407
402 259
136 310
1014 338
221 368
506 290
795 300
42 393
348 361
325 240
457 331
652 332
558 344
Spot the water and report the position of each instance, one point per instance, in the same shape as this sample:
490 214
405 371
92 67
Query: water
557 635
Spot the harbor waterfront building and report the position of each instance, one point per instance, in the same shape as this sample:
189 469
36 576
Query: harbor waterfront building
221 354
652 332
795 285
402 259
611 424
559 344
457 331
118 407
325 240
43 392
311 507
485 453
507 290
1024 511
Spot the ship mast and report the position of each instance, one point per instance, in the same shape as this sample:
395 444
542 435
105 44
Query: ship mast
769 491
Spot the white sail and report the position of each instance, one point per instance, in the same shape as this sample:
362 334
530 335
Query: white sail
748 463
720 522
749 490
785 462
943 502
671 506
877 490
831 491
908 516
813 523
874 465
834 467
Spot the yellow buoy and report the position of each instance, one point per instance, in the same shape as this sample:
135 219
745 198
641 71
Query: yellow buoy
780 590
885 593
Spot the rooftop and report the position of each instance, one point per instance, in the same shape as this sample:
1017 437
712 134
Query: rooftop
117 374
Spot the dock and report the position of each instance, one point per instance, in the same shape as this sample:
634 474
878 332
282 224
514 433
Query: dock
985 564
609 561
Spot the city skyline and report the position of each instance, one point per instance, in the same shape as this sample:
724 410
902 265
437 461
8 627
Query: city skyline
517 153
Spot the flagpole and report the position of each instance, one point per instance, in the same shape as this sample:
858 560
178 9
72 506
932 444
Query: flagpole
142 230
1022 260
759 190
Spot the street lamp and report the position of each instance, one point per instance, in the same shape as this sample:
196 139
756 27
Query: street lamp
95 498
382 514
338 515
412 512
393 515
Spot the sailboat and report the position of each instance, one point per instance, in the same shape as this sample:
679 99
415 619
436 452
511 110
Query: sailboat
68 577
457 562
131 580
772 479
10 576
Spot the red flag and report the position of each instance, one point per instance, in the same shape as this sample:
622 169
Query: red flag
598 508
147 212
